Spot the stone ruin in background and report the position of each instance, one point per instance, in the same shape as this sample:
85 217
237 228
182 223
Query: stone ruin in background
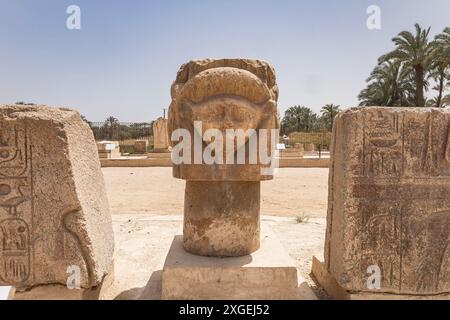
389 204
54 214
160 136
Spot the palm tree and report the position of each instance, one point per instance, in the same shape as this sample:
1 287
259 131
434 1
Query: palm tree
111 127
389 84
299 119
444 40
446 101
330 111
415 52
111 121
440 74
440 67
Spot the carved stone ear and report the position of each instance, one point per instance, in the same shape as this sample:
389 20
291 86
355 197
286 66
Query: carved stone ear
175 90
274 92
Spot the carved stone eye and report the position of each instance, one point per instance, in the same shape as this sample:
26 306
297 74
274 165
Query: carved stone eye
4 189
4 154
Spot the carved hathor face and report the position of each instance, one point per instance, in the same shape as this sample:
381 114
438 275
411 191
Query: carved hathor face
224 94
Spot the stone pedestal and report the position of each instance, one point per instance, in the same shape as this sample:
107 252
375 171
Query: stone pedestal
267 274
221 218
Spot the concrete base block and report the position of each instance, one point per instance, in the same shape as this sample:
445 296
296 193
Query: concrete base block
336 292
60 292
267 274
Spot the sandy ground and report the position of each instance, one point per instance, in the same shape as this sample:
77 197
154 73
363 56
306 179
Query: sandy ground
293 192
147 206
142 243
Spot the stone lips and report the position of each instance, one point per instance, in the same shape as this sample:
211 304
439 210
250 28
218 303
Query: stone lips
388 200
53 208
224 94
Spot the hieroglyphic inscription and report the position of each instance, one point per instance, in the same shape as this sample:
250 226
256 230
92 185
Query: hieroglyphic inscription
402 200
382 145
16 204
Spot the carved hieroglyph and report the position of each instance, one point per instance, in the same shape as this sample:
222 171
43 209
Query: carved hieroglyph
222 200
160 135
54 213
389 200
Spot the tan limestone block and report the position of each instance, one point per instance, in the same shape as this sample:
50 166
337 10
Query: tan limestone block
54 213
389 203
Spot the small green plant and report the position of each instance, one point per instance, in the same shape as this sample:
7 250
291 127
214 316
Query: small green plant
302 219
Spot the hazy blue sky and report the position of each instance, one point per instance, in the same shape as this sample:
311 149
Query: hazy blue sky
124 59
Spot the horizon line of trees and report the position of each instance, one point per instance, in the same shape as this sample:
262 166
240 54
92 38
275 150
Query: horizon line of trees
303 119
113 129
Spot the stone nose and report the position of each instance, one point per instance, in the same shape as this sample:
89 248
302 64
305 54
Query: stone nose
227 120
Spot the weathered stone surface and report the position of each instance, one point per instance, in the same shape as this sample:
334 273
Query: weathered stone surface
389 203
160 135
140 146
213 209
222 200
224 94
53 208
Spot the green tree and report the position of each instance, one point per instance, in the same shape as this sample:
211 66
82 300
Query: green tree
440 66
414 51
299 119
389 84
329 112
111 127
445 102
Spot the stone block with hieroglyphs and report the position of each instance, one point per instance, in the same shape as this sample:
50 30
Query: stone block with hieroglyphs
389 200
54 213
